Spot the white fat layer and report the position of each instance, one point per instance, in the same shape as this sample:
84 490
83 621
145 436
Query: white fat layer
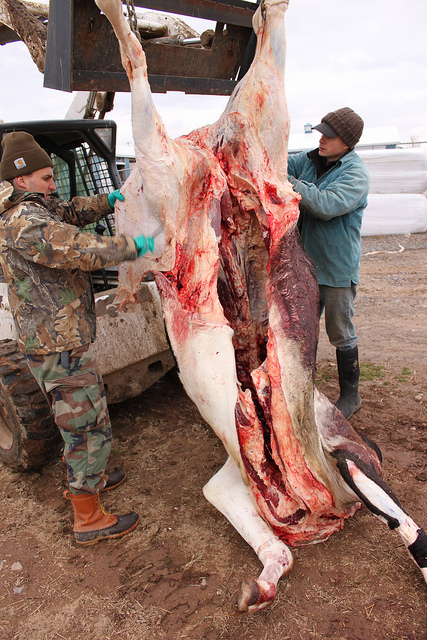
208 373
227 492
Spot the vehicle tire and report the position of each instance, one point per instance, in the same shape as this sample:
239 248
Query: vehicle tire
28 434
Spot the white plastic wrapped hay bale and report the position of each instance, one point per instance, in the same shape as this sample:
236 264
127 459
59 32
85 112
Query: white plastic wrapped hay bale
395 214
397 202
396 170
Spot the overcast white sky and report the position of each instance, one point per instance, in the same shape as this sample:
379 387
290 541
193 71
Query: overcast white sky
370 55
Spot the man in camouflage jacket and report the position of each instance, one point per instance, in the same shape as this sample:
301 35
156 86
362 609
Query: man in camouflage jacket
46 262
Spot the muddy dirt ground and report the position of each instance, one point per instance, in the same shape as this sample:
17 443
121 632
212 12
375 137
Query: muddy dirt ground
177 575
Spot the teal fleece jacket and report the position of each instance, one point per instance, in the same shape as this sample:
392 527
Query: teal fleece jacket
331 215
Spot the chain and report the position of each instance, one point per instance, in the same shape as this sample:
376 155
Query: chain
132 18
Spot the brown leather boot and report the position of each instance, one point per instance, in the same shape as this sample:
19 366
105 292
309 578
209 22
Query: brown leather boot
92 523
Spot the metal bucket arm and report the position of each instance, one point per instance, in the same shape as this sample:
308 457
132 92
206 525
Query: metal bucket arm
77 61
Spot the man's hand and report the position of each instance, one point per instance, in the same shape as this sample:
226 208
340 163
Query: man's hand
113 196
144 244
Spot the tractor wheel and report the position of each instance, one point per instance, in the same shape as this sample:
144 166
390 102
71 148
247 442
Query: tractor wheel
28 434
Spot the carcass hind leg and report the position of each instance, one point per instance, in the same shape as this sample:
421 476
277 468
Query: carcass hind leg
379 499
114 12
152 143
227 492
259 97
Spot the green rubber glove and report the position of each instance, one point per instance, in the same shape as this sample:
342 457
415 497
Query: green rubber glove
144 244
113 196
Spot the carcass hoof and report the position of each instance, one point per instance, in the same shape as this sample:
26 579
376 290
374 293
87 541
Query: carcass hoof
255 595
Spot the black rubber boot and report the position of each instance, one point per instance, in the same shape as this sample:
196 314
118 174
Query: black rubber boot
114 479
349 372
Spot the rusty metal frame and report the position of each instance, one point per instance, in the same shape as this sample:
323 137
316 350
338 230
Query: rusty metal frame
83 54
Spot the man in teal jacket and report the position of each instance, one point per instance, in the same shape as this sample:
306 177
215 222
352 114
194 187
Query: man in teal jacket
334 183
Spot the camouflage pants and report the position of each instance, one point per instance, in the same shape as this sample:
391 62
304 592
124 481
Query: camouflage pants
80 410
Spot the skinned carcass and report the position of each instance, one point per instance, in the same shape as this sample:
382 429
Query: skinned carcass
240 301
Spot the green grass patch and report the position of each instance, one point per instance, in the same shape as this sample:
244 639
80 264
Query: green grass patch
403 377
325 373
370 371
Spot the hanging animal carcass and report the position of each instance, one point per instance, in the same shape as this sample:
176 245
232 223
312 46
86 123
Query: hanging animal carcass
240 301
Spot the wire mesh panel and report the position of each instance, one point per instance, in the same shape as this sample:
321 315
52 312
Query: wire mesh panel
84 164
85 173
88 174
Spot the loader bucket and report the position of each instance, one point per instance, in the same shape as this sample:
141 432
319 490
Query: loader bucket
83 54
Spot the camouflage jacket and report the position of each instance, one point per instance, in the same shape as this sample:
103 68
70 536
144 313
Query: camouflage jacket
46 262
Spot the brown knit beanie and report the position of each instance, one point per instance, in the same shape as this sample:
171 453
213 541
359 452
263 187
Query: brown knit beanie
344 123
21 155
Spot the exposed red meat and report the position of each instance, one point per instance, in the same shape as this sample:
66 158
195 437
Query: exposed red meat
240 301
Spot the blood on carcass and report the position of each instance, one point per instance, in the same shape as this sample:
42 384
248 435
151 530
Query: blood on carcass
240 301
